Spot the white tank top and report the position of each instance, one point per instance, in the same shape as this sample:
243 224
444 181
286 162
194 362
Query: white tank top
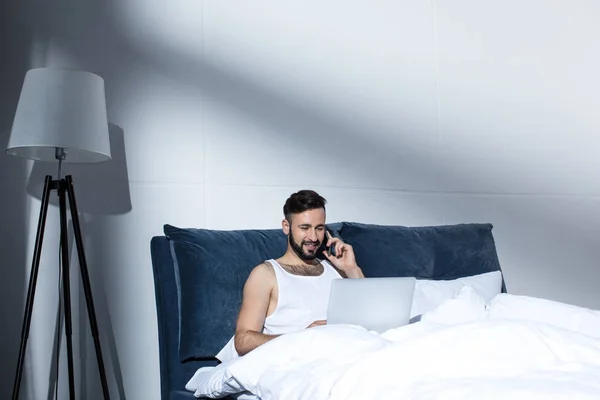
301 301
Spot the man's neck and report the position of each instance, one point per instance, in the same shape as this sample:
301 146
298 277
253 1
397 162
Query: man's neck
291 258
297 266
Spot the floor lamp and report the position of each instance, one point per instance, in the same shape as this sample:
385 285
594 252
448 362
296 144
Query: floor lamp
61 117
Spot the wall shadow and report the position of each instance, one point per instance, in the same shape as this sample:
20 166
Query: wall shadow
101 190
289 115
15 44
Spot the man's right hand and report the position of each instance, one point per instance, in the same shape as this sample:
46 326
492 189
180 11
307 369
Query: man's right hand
317 323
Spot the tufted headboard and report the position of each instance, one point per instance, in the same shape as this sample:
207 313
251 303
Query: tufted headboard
199 276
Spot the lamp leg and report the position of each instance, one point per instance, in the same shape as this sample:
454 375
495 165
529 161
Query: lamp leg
39 239
64 248
86 284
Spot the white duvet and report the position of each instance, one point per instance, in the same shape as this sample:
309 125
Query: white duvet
513 348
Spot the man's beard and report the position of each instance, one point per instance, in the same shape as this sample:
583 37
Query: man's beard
300 251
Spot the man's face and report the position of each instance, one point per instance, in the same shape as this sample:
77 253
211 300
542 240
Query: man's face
307 232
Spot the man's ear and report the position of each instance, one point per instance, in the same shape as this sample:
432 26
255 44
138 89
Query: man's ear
285 225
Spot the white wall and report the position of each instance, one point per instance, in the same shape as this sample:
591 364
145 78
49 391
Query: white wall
401 112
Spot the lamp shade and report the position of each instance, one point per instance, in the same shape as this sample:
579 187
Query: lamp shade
61 108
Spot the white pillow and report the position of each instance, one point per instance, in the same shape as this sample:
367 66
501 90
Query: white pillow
429 294
561 315
466 306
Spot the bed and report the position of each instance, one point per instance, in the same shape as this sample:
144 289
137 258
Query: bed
468 338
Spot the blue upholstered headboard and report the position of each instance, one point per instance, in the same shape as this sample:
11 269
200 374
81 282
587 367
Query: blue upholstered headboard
199 276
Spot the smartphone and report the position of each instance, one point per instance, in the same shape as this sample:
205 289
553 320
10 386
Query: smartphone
330 249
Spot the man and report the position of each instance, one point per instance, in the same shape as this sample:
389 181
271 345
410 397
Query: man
292 292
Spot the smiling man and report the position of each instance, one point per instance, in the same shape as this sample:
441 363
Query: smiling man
292 292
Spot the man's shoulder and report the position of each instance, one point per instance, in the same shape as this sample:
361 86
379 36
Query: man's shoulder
261 276
265 267
263 270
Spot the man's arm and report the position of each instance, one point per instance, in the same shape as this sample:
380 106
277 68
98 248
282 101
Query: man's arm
253 312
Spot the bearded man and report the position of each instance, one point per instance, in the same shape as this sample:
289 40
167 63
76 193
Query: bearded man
292 292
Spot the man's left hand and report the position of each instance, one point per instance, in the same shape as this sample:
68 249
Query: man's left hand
344 259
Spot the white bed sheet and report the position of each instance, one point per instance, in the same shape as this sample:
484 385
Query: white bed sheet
456 352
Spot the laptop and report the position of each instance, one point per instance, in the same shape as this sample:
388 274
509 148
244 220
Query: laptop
377 304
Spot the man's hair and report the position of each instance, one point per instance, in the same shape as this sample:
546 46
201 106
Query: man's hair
301 201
